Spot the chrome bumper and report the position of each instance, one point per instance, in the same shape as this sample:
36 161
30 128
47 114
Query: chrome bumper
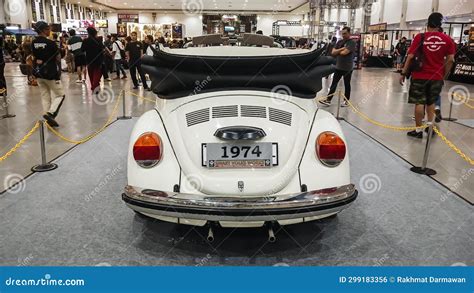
240 209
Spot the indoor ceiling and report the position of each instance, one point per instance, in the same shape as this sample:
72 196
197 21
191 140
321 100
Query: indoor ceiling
199 5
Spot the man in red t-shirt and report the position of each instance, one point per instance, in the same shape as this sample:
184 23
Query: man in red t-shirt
437 58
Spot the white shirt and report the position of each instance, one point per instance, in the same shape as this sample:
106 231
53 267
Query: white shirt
116 47
149 51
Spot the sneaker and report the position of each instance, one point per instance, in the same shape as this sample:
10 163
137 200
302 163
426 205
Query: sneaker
427 129
50 120
148 89
135 87
78 81
415 134
124 77
108 79
438 116
325 102
344 104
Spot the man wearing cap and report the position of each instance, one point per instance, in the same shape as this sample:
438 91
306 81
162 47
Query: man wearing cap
435 52
46 54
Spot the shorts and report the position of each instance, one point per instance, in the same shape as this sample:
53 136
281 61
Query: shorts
424 92
80 60
400 59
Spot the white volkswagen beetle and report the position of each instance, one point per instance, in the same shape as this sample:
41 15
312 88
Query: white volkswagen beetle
237 140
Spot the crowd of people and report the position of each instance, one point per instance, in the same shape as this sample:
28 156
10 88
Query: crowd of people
47 55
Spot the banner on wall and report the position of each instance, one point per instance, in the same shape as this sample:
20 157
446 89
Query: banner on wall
127 17
377 27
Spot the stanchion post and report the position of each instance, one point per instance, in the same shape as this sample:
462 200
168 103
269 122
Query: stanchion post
44 166
423 170
5 103
123 117
338 105
450 110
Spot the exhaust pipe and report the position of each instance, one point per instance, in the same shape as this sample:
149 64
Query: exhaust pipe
210 234
271 235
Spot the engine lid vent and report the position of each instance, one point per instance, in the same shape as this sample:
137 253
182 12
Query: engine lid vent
253 111
197 117
225 111
280 116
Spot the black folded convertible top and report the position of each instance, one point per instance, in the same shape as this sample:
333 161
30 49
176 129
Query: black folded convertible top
176 75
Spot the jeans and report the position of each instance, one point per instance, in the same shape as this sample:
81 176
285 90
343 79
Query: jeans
119 68
134 67
347 75
438 102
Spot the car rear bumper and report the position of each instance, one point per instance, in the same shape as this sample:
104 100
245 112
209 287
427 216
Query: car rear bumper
304 205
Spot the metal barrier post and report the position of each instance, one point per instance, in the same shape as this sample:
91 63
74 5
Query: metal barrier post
123 117
44 166
423 170
338 105
5 103
450 110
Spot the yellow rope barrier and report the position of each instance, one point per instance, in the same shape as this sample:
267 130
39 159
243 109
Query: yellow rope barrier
452 146
141 97
435 129
109 120
397 128
22 141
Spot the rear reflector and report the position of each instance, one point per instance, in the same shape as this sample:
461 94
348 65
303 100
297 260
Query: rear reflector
148 150
330 149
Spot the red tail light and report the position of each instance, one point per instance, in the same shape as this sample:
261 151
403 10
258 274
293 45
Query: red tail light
330 149
148 150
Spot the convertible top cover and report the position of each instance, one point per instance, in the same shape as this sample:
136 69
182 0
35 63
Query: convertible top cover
187 72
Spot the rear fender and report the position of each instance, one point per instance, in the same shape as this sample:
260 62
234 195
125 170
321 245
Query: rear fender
314 174
164 175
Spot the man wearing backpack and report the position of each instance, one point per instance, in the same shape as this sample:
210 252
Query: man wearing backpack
118 55
430 59
46 54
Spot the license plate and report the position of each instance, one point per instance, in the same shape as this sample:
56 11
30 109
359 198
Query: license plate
239 155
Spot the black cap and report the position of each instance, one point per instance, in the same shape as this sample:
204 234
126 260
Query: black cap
41 26
435 20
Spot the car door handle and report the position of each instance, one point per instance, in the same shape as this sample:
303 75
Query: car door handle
240 133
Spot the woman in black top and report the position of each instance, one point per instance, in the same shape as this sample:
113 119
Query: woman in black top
94 50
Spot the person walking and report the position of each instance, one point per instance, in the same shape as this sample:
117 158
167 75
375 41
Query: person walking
344 52
3 82
45 56
401 51
75 44
117 53
429 61
94 52
134 51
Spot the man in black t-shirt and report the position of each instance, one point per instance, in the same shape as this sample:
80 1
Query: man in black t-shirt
401 51
134 51
344 52
45 67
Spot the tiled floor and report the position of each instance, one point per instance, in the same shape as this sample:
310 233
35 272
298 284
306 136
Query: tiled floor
376 92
